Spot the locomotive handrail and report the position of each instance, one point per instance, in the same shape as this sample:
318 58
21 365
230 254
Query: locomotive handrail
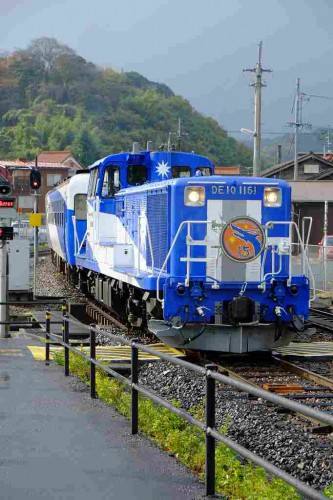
81 244
77 242
269 225
181 225
308 235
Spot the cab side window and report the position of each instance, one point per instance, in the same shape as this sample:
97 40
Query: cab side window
93 182
178 172
136 175
111 183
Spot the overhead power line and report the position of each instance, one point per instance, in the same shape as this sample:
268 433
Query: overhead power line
319 96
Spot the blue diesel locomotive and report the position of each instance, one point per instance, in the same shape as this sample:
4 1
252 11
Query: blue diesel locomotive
204 260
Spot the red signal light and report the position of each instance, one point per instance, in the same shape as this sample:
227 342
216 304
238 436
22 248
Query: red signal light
35 179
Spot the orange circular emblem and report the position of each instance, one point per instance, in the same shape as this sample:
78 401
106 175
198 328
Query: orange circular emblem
242 239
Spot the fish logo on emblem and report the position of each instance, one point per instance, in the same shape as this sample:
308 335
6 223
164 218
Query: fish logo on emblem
242 239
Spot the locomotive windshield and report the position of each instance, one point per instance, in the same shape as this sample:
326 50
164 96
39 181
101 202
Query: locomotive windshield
136 175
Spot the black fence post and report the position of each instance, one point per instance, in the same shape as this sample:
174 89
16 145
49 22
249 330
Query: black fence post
66 340
64 307
47 337
92 365
134 392
210 441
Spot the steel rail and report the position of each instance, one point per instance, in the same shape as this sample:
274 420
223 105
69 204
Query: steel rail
305 489
322 417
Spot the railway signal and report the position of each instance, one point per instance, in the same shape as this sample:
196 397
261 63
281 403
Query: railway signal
35 179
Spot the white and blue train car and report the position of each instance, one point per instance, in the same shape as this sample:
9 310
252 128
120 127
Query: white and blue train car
66 215
205 261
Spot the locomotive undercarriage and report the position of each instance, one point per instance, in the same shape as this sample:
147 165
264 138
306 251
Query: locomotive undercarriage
141 309
131 304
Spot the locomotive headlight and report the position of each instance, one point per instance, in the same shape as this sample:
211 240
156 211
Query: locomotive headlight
272 197
194 196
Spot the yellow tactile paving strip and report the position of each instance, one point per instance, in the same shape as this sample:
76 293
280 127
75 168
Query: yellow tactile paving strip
108 353
304 349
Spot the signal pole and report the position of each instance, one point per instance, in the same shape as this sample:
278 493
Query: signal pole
258 84
3 288
35 237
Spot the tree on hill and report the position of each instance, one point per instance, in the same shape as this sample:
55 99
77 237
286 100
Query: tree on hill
52 98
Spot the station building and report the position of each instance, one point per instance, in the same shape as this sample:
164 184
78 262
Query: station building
54 166
309 193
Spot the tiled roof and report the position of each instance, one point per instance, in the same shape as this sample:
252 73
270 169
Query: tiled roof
232 170
19 164
54 156
276 169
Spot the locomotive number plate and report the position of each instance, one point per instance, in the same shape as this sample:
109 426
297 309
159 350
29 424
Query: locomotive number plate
234 190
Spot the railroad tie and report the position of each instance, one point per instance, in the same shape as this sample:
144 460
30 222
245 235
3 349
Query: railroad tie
283 388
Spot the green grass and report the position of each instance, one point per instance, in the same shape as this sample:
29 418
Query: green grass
236 481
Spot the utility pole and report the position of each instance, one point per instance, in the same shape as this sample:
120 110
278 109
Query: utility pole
297 124
258 84
179 134
328 143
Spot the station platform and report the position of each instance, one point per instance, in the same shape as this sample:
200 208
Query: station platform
76 332
58 443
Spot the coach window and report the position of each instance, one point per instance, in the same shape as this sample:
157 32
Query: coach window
136 175
111 184
178 172
80 207
203 171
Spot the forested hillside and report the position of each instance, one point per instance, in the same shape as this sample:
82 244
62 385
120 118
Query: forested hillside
53 99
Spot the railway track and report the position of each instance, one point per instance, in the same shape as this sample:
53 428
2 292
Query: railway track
287 379
270 373
101 317
321 318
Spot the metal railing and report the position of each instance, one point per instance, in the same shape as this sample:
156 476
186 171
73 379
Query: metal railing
321 260
211 377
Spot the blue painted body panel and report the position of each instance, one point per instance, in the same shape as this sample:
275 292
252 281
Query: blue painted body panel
159 202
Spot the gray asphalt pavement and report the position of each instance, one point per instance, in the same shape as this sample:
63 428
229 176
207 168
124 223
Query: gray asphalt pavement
58 444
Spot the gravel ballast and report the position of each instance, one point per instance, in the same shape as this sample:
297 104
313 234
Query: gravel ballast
254 424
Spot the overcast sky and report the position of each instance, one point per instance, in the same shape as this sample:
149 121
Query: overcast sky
197 47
